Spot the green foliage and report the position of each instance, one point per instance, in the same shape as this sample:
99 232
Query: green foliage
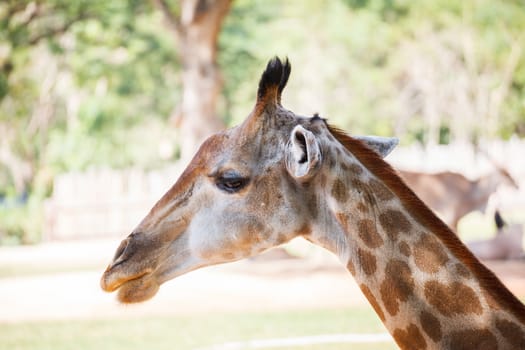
21 224
115 70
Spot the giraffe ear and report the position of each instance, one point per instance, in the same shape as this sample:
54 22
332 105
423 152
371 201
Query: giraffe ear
381 145
303 156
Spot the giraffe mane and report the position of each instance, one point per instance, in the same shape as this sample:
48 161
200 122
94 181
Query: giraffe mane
420 211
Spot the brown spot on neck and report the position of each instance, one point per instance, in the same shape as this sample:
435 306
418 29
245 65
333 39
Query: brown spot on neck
394 223
454 299
430 325
339 191
352 168
380 190
397 286
410 338
367 232
513 333
429 254
367 261
479 339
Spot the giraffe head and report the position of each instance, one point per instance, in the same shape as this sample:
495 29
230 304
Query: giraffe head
247 189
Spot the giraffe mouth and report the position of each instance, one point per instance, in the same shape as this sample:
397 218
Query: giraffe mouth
112 280
138 289
132 288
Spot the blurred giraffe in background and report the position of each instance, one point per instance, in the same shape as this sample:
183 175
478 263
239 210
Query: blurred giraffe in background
452 196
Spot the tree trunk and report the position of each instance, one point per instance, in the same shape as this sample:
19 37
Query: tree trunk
197 30
202 82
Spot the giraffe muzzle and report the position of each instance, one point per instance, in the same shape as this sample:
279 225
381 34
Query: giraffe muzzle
127 264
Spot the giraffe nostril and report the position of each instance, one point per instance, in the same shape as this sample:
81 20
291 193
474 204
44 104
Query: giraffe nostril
121 248
123 252
133 235
126 249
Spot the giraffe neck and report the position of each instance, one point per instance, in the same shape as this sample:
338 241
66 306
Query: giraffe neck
428 290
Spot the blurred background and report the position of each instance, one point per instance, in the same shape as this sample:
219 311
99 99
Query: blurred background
102 104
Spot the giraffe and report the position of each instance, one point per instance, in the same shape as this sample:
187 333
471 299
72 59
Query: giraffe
452 196
278 176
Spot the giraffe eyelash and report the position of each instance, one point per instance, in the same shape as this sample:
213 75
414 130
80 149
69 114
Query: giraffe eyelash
231 181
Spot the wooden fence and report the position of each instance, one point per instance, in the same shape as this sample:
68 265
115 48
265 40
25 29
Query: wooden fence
103 203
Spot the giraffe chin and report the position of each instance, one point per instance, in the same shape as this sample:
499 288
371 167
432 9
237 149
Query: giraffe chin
138 290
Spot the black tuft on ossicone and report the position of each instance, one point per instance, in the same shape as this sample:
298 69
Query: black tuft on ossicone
276 74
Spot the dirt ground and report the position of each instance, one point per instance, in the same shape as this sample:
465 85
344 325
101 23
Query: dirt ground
274 281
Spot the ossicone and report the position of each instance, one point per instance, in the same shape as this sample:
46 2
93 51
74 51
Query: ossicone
273 80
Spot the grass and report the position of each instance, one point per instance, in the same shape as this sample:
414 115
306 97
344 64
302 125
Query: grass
192 332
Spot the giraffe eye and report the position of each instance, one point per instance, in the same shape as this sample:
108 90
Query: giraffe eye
231 183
